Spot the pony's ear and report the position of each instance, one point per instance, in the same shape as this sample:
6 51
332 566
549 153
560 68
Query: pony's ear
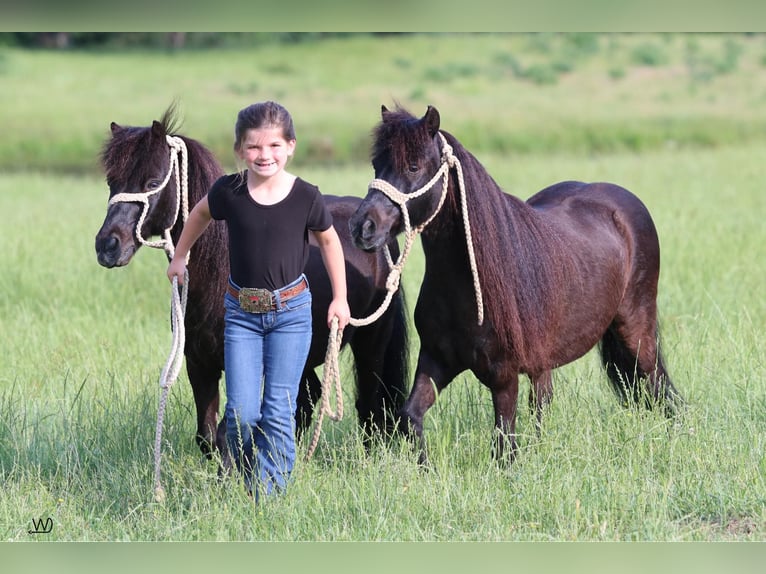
383 111
432 120
157 129
115 127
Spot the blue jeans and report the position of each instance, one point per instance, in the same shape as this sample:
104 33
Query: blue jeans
265 354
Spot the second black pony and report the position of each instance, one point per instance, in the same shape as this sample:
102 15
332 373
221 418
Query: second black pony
510 286
137 160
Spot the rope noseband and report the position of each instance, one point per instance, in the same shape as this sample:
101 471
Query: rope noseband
177 147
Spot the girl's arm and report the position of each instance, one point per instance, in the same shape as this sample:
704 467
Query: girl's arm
335 263
198 220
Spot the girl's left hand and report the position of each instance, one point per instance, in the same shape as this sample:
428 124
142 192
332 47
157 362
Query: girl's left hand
339 308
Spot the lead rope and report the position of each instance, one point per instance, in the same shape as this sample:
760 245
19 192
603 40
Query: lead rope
331 373
177 301
170 372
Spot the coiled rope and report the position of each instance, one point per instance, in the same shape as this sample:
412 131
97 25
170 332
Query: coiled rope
331 373
179 165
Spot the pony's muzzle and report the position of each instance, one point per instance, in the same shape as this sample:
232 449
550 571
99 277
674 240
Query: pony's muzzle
368 230
110 252
364 232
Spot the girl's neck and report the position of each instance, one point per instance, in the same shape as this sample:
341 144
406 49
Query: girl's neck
270 190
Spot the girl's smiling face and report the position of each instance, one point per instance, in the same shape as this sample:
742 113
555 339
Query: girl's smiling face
265 151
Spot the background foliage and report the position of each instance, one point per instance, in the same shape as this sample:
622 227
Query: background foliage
504 93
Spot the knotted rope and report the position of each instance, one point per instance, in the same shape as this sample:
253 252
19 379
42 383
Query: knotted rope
331 376
179 167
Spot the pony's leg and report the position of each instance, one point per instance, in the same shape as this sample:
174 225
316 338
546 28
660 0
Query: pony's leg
204 382
309 394
227 461
659 388
505 394
430 379
367 345
381 362
631 354
395 379
540 395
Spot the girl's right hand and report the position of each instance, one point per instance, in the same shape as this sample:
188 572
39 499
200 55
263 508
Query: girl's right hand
177 269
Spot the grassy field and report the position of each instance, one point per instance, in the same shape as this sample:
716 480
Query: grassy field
83 346
519 93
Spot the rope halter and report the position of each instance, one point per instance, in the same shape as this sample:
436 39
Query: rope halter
181 170
448 160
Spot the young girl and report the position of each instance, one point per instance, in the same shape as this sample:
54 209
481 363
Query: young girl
269 213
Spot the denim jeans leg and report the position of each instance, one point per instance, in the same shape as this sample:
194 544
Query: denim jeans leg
265 354
285 351
243 363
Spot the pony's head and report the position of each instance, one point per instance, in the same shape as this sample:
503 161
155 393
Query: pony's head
136 161
407 154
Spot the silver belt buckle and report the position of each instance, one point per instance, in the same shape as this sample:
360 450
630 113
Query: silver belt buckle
255 300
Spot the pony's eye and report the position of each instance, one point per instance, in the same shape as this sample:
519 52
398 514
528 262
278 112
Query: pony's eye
153 184
413 167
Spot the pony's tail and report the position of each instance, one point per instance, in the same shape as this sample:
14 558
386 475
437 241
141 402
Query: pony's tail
632 384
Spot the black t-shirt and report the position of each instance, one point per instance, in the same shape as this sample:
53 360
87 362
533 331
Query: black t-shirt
268 244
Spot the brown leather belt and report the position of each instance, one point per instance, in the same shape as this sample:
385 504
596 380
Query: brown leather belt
263 300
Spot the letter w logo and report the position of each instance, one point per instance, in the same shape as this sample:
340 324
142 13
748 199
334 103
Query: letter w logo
41 526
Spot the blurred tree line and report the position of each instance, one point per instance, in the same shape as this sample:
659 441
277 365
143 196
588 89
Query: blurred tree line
159 40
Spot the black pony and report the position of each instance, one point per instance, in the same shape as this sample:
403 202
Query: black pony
137 160
514 287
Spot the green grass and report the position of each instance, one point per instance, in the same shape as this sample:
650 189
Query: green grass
83 348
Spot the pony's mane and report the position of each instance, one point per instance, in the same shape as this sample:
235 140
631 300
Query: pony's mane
517 253
128 151
119 154
515 249
397 127
171 120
